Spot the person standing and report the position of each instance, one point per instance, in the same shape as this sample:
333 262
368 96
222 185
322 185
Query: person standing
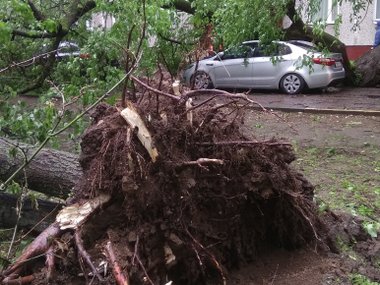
377 35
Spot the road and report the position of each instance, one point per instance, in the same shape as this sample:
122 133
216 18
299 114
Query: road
363 101
360 101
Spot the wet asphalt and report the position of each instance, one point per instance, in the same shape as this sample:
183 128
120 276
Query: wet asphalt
361 101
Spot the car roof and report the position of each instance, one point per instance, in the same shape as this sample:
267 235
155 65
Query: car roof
303 44
67 43
257 41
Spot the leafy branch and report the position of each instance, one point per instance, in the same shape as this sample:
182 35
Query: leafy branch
55 131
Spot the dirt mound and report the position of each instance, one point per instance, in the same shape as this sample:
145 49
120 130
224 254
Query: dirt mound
202 206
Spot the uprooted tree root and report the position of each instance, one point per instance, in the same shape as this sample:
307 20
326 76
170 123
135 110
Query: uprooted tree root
202 203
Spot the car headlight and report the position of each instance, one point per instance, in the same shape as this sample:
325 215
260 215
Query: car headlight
189 66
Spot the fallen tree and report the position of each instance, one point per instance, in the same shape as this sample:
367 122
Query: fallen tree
367 67
36 215
51 172
172 192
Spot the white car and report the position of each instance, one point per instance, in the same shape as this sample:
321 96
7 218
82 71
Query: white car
65 50
289 66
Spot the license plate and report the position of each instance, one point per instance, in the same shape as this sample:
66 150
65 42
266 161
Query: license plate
338 64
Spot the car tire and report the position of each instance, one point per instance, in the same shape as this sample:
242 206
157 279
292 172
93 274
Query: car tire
201 80
292 84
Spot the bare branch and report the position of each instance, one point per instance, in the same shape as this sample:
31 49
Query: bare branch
153 89
37 13
79 10
34 34
200 162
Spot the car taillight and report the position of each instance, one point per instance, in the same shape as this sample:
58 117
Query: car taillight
84 55
324 61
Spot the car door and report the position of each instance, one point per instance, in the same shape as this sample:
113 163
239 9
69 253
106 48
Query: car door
269 64
234 68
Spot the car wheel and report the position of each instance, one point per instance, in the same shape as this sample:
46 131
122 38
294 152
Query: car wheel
201 80
292 83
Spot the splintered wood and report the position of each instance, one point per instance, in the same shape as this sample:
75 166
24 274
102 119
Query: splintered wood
133 118
72 217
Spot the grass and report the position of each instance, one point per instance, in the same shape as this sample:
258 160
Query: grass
358 279
340 156
17 248
345 180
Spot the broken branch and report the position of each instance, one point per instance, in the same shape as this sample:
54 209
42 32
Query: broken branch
133 118
201 161
154 90
72 217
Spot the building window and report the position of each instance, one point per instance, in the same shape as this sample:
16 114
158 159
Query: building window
377 10
328 11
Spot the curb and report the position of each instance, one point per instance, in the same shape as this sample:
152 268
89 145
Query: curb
324 111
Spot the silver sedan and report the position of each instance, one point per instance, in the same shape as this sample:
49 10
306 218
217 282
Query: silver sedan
288 66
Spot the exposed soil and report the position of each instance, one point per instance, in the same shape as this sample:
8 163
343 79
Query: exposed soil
248 220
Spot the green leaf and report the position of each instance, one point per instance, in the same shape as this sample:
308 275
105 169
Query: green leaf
5 32
371 228
12 152
50 25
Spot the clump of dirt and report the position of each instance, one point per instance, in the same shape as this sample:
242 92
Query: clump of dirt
206 206
187 221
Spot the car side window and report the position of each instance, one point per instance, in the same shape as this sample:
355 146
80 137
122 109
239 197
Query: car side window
242 52
272 50
284 49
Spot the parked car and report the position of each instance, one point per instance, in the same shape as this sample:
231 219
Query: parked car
288 66
66 49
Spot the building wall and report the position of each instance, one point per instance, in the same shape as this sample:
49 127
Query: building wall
363 35
358 39
100 20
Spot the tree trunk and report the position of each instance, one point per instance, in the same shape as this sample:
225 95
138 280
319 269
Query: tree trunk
51 172
31 217
368 68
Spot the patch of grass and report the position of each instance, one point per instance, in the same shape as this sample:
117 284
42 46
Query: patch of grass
358 279
18 246
5 235
345 180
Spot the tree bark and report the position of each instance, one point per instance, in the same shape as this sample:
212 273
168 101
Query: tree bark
34 218
299 31
368 68
182 5
51 172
